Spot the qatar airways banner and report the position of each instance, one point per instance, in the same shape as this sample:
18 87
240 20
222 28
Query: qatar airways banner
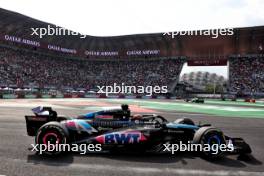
21 40
37 44
61 49
15 39
101 53
126 53
142 52
207 62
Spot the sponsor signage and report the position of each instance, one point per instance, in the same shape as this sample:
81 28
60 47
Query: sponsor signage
61 49
124 137
29 42
207 62
101 53
15 39
142 52
21 40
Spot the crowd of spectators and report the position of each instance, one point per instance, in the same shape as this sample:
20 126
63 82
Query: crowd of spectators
26 69
20 68
246 75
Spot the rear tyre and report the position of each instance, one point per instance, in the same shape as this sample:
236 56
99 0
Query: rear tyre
50 138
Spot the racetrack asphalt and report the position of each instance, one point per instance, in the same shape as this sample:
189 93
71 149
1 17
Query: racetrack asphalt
17 159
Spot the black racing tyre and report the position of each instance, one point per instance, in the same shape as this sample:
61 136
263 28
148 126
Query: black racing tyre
51 133
184 121
210 138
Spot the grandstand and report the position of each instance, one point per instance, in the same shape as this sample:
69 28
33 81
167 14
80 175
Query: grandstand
25 69
246 75
73 63
202 80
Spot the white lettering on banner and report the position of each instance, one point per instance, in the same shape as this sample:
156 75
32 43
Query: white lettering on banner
65 50
143 52
12 38
74 51
37 44
101 53
116 53
21 40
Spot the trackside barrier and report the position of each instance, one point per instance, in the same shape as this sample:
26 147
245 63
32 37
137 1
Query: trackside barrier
77 96
249 100
168 97
59 96
121 96
74 96
9 96
102 96
20 96
81 95
46 96
91 96
38 95
67 96
130 97
53 96
154 96
30 96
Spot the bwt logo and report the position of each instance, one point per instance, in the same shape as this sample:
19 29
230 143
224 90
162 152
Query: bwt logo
122 138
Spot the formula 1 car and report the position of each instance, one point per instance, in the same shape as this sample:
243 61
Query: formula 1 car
116 129
195 100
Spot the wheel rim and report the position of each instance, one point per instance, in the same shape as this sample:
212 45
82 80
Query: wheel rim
214 140
51 138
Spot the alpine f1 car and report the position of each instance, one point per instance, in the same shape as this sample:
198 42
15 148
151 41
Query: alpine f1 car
116 129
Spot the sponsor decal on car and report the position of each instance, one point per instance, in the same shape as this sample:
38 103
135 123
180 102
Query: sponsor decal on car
80 125
125 137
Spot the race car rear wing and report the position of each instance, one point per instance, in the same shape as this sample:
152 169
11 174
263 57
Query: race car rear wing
42 116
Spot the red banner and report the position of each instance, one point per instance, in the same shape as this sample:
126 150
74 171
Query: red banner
207 62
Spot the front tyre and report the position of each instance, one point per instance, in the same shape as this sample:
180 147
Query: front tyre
50 138
212 141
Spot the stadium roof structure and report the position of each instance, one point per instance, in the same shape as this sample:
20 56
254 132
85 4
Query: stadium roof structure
248 40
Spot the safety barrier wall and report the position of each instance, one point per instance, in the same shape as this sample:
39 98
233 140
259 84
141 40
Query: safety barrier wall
121 96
